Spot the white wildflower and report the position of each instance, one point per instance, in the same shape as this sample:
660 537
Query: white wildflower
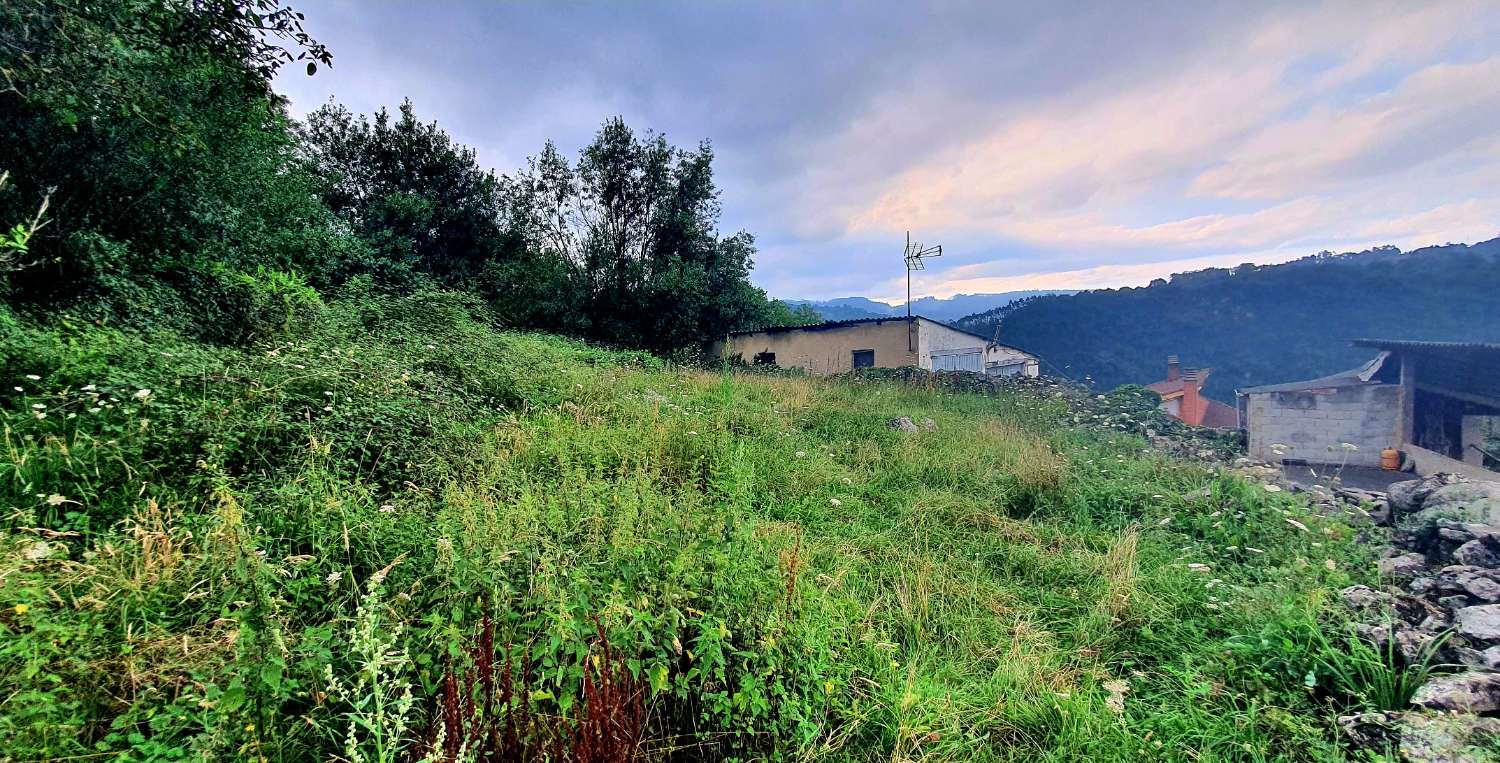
142 394
692 433
1197 567
37 406
387 508
1296 524
801 454
1254 550
19 389
33 377
95 409
88 388
334 577
1330 564
834 502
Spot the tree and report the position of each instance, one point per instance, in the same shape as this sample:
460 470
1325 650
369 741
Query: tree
153 124
429 212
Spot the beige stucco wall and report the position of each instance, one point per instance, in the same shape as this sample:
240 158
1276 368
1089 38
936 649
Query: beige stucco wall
825 351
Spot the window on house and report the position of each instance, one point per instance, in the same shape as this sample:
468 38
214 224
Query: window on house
765 358
864 358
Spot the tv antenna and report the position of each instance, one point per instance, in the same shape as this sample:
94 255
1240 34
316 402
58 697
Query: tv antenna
914 261
914 254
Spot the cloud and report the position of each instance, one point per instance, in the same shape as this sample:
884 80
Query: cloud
1060 145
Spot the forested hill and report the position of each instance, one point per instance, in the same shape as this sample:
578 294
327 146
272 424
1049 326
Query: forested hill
1260 324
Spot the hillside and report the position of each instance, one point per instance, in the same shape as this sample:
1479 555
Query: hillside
938 308
1260 324
329 546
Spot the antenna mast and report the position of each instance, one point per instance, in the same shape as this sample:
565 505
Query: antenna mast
913 256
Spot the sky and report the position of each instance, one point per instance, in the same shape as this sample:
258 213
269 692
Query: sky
1043 145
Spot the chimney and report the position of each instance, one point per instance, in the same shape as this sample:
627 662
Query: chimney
1192 403
1173 368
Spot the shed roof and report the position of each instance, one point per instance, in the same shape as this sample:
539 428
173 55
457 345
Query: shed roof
1484 348
1352 378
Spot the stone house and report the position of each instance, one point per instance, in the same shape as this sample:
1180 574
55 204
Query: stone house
838 346
1436 402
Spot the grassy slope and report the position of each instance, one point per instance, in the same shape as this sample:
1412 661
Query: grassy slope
216 577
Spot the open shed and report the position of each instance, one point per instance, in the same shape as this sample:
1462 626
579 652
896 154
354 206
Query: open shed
1437 402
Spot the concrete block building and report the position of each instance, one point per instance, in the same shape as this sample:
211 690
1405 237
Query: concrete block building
1436 402
840 346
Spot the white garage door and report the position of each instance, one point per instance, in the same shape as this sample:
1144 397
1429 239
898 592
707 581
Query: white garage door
957 360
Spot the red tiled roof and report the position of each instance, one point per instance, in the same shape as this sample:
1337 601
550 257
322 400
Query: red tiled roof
1219 416
1165 387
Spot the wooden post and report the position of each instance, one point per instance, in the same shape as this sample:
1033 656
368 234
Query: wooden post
1407 419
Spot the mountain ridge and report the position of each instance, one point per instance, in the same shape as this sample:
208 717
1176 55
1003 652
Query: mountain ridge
1259 324
937 308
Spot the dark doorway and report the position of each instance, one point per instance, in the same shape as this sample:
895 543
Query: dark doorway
765 359
864 358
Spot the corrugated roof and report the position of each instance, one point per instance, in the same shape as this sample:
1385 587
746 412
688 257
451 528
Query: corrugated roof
1352 378
1409 344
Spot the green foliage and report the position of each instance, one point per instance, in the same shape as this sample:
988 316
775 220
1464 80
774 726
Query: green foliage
282 552
1259 324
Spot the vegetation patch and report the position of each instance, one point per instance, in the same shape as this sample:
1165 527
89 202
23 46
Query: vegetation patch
339 544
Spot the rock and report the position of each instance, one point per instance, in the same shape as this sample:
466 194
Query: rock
1451 506
1471 692
1466 501
1437 622
1377 731
1478 553
1362 597
1406 497
1454 601
1403 567
1481 587
903 424
1491 657
1444 738
1481 622
927 425
1410 644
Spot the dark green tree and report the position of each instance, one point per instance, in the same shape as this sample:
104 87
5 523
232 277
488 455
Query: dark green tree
153 126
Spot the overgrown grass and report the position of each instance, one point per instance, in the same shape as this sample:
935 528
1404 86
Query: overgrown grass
289 553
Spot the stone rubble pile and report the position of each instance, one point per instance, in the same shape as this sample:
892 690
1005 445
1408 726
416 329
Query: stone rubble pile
1441 608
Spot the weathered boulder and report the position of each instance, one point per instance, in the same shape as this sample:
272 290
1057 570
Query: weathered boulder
1466 502
1445 738
1474 691
1481 623
1481 586
1403 567
927 425
1479 552
903 424
1406 497
1449 507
